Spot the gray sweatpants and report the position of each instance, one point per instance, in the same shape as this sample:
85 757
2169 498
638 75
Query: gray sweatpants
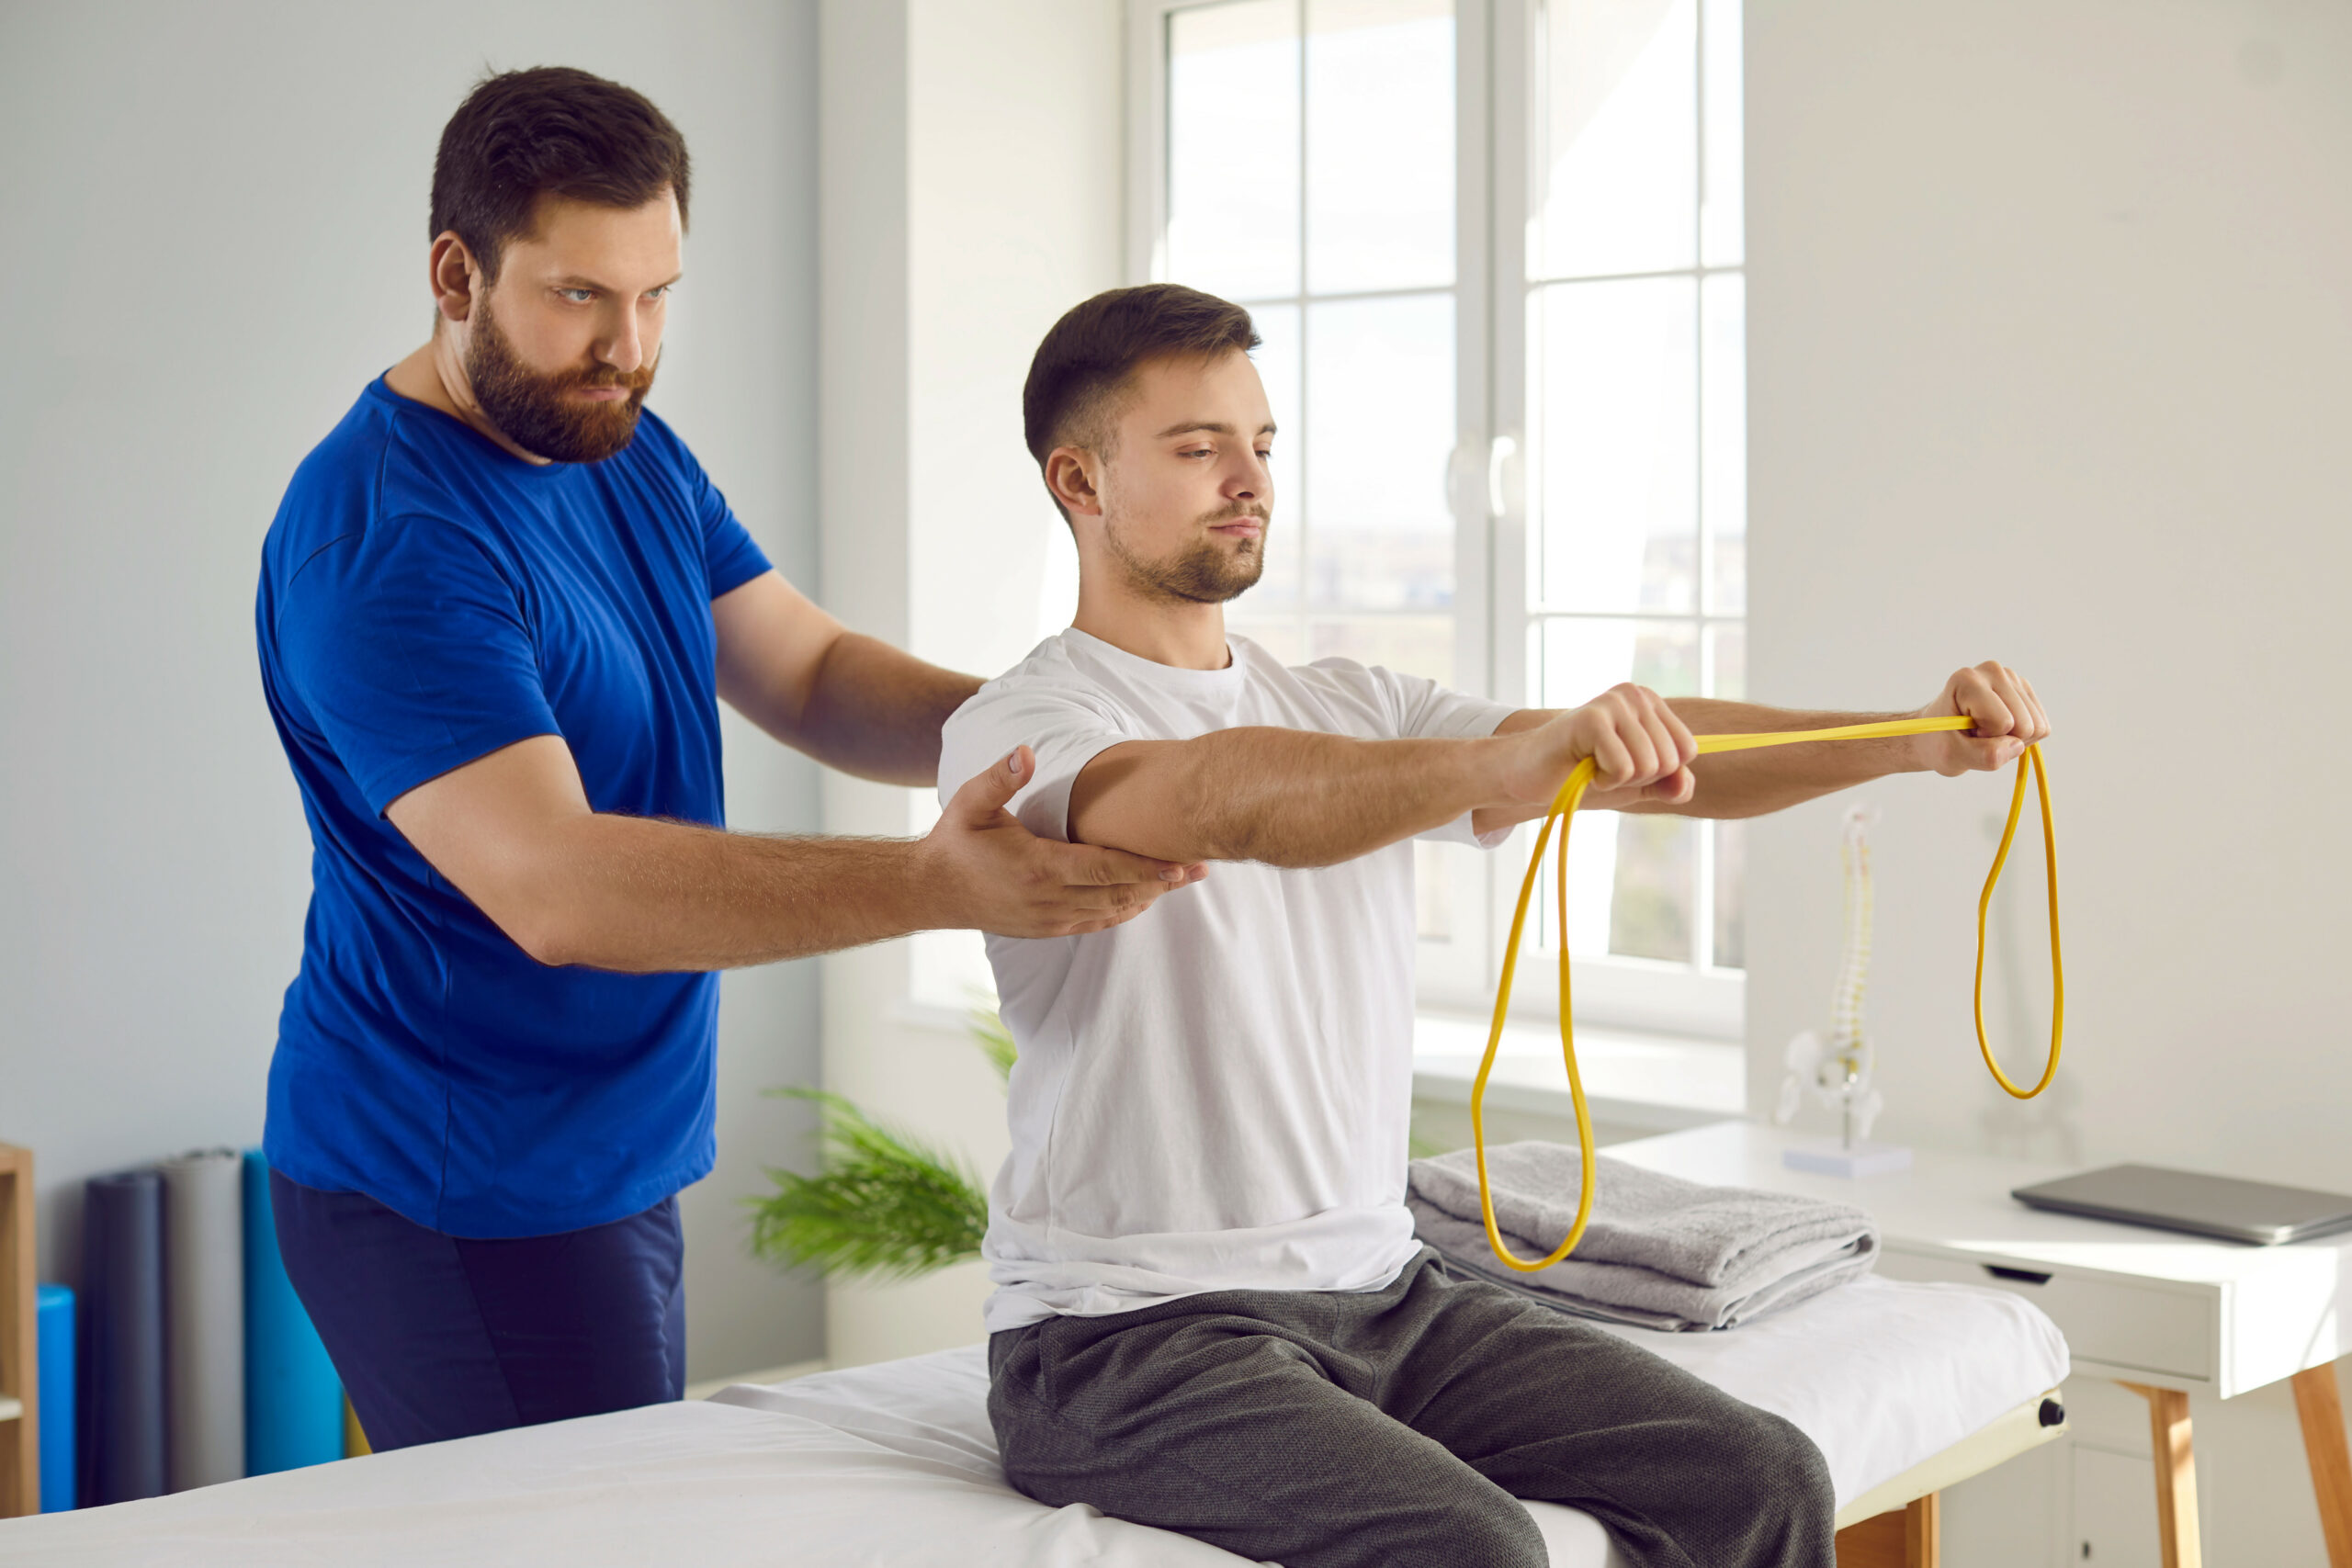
1394 1428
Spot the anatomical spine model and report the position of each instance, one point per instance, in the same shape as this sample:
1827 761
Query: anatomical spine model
1838 1069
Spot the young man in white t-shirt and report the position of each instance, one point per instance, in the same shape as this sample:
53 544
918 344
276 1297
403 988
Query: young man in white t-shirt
1211 1313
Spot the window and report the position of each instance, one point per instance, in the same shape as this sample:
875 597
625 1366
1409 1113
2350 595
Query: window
1494 247
1634 325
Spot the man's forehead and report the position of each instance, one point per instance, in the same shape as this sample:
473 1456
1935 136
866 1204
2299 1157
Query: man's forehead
1169 395
564 230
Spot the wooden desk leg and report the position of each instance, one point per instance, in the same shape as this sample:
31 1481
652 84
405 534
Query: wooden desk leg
2321 1412
1909 1537
1923 1520
2175 1474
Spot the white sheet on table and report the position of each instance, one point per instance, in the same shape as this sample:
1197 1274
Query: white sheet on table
1879 1374
893 1465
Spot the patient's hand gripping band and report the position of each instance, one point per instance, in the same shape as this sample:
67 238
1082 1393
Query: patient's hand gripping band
1564 807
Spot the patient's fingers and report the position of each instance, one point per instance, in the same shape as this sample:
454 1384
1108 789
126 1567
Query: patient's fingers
1611 762
2039 716
1658 722
1675 789
1641 746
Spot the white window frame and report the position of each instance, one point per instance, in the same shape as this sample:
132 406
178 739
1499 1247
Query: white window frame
1496 123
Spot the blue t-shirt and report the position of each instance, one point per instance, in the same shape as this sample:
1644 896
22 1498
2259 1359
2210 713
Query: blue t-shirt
426 599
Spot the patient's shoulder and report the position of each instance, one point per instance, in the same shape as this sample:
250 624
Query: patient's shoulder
1045 703
1047 679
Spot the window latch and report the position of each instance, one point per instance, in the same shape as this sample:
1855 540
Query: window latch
1502 450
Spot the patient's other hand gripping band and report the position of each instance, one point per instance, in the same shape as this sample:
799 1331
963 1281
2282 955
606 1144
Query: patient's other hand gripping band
1564 807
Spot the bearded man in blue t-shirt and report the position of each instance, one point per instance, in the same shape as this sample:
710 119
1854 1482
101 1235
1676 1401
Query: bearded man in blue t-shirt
498 606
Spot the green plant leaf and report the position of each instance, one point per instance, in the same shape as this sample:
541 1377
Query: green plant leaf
995 1040
886 1205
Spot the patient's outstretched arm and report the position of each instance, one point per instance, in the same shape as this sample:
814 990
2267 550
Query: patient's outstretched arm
1297 798
2009 717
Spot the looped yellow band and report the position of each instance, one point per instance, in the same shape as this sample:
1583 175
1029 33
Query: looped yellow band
1563 811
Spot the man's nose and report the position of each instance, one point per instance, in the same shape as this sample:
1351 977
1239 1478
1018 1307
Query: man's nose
1250 480
624 348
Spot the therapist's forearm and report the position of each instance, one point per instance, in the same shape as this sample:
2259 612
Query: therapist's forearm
645 897
1282 797
876 712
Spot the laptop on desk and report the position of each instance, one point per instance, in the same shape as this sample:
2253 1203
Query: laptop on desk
2202 1205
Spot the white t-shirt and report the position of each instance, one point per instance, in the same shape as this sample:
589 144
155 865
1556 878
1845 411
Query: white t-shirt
1215 1095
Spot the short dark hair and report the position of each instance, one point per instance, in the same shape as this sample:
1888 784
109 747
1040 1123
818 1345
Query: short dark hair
549 130
1092 353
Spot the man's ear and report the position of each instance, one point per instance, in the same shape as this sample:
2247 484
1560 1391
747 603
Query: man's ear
456 277
1075 475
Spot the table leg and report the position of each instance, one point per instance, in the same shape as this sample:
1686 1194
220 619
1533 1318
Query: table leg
2176 1467
2321 1412
1923 1532
1909 1537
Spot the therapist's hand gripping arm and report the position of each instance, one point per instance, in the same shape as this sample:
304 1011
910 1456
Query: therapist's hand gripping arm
514 832
1298 798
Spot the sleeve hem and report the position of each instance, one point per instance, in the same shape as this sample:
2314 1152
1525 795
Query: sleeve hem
1061 809
743 568
1478 719
422 768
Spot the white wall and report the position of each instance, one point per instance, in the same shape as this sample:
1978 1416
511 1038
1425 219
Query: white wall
971 194
2050 360
215 220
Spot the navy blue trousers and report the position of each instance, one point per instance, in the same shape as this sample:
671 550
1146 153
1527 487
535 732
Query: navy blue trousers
440 1336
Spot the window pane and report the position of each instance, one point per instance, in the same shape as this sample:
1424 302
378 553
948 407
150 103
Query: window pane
1379 144
1417 644
1380 430
1584 658
1233 154
1727 662
1723 479
1619 422
1650 916
1620 181
1630 881
1731 895
1722 219
1279 368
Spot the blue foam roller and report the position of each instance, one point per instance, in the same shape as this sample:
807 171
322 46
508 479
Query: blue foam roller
53 1329
293 1398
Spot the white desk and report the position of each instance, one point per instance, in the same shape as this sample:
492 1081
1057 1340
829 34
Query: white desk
2162 1314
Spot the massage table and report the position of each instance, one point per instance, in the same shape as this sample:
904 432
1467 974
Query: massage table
1908 1389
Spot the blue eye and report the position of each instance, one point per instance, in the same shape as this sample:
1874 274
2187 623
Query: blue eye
578 296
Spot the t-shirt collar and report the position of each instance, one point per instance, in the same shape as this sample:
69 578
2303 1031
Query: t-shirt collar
381 387
1167 677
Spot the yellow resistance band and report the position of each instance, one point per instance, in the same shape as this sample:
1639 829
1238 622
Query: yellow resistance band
1564 807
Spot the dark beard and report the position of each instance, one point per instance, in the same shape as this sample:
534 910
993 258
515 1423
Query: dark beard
1202 575
531 408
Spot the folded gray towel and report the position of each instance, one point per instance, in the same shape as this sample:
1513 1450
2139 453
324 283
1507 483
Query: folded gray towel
1660 1252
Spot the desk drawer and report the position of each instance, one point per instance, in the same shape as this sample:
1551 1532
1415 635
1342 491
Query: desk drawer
2103 1320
